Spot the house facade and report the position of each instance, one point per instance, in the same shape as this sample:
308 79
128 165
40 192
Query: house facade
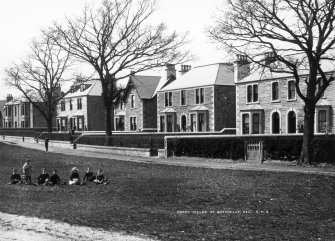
21 114
2 105
202 99
137 109
267 103
82 109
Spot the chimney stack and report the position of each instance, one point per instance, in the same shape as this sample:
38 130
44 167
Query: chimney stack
170 70
269 58
241 67
184 69
9 97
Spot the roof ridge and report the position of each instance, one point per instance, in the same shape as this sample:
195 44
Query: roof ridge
218 63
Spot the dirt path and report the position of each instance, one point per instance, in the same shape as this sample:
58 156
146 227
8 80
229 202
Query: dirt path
21 228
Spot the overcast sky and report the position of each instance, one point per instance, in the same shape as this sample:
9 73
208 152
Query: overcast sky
21 20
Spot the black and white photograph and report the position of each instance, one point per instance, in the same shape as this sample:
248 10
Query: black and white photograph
157 120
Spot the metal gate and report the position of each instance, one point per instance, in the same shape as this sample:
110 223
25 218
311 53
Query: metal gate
254 152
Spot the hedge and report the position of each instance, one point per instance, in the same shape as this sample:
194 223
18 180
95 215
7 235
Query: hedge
280 147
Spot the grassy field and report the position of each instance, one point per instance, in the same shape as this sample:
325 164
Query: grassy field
175 203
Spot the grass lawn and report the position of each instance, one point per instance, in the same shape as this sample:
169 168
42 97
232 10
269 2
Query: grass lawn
175 203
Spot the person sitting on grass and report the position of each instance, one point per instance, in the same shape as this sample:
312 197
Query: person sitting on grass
74 178
54 179
15 178
99 178
43 177
89 175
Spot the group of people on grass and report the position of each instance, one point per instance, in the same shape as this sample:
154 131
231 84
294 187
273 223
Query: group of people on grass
45 179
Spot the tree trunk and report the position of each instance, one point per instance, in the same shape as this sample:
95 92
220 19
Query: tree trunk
108 125
49 123
306 153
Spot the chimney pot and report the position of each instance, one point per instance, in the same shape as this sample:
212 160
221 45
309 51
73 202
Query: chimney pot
9 97
269 58
184 69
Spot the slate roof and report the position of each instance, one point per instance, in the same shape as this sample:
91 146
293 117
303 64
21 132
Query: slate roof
95 89
263 74
145 85
213 74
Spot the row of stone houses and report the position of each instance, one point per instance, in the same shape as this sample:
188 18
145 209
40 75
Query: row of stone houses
267 102
19 114
201 99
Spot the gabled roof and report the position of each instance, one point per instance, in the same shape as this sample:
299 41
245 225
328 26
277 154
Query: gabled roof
213 74
145 85
265 73
94 89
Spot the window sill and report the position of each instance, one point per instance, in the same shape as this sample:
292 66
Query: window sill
252 103
291 100
275 101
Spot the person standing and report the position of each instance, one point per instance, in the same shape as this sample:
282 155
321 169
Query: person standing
46 143
27 172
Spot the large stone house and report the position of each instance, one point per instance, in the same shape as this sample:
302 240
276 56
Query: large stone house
82 109
21 114
267 102
201 99
137 109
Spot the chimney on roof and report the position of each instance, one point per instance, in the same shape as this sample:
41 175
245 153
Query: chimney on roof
170 70
241 67
9 97
269 57
184 69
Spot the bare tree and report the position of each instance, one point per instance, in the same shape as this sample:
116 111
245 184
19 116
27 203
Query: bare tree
40 75
298 35
115 39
